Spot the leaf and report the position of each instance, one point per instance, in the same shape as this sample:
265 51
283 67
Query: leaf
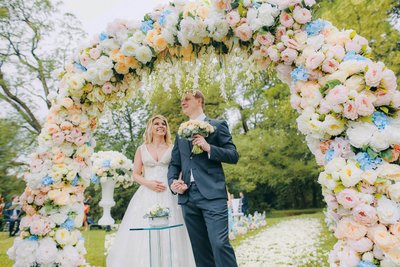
387 155
372 153
340 187
330 85
366 119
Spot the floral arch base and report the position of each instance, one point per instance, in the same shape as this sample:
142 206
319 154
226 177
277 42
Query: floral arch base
348 106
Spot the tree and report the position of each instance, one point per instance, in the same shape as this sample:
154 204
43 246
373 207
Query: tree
28 30
11 140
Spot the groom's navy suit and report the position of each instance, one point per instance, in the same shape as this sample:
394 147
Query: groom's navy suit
204 204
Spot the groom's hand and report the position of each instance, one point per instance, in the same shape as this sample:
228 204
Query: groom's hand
201 142
178 186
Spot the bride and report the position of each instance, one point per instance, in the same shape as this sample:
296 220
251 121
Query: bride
131 248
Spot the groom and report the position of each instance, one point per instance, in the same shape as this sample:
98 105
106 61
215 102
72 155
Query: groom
202 191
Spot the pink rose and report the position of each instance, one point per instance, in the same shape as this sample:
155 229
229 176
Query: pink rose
301 15
374 74
295 101
365 214
336 51
383 97
348 198
80 141
384 239
364 105
107 88
348 257
59 158
353 47
244 32
389 80
94 53
362 245
52 128
280 31
337 95
289 55
330 65
349 110
84 59
233 18
324 107
291 43
69 138
75 132
265 39
286 20
331 201
273 54
39 200
311 96
58 138
66 126
314 60
348 228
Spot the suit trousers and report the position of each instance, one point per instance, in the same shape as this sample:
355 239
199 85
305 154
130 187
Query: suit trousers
207 224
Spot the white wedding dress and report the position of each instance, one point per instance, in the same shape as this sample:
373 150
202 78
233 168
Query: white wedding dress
131 248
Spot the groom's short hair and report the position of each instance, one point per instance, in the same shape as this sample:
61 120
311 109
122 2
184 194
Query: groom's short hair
199 95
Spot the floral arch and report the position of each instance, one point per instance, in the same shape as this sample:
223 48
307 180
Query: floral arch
348 106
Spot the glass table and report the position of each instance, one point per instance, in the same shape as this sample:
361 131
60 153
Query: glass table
155 249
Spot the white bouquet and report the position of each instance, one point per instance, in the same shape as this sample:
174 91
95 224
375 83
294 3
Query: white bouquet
113 165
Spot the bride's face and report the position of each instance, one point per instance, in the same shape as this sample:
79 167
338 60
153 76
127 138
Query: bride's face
159 127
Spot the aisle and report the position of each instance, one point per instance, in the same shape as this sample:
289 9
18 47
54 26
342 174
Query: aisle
289 243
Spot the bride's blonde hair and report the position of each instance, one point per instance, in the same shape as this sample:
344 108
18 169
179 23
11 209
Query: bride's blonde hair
148 134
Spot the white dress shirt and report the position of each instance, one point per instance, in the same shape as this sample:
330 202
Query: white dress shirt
202 117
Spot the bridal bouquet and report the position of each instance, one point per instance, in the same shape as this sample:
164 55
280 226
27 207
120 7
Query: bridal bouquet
113 165
190 128
157 211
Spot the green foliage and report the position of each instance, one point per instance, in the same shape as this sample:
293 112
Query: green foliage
10 143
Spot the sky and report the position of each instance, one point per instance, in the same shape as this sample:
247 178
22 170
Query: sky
96 14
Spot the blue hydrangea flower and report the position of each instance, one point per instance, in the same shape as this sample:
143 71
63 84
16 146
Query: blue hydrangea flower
163 17
380 119
353 56
69 224
146 26
33 238
315 27
366 162
106 163
299 74
79 66
256 5
329 154
94 179
103 36
75 181
47 180
366 264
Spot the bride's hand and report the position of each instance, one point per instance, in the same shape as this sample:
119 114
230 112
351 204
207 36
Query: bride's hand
156 186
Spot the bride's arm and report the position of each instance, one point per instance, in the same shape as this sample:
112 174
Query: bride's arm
137 175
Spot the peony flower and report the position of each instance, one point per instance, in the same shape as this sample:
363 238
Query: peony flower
244 32
265 39
314 60
233 18
286 20
289 55
360 133
330 65
388 211
348 228
362 245
365 214
301 15
374 74
348 198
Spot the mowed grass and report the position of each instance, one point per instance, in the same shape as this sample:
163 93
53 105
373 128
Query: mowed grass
94 239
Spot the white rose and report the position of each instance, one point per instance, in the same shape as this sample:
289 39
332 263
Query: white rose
360 134
379 141
333 126
388 211
350 174
47 251
394 192
129 48
335 165
144 54
355 82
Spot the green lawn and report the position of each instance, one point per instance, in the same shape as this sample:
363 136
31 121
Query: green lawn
94 239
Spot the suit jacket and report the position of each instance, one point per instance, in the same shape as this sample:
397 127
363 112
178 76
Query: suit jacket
207 170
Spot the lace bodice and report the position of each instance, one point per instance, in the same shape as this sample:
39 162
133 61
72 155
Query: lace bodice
155 170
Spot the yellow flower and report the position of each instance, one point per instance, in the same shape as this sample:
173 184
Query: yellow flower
160 43
121 68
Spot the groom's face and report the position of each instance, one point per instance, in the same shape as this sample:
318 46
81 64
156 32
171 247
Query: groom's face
190 104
